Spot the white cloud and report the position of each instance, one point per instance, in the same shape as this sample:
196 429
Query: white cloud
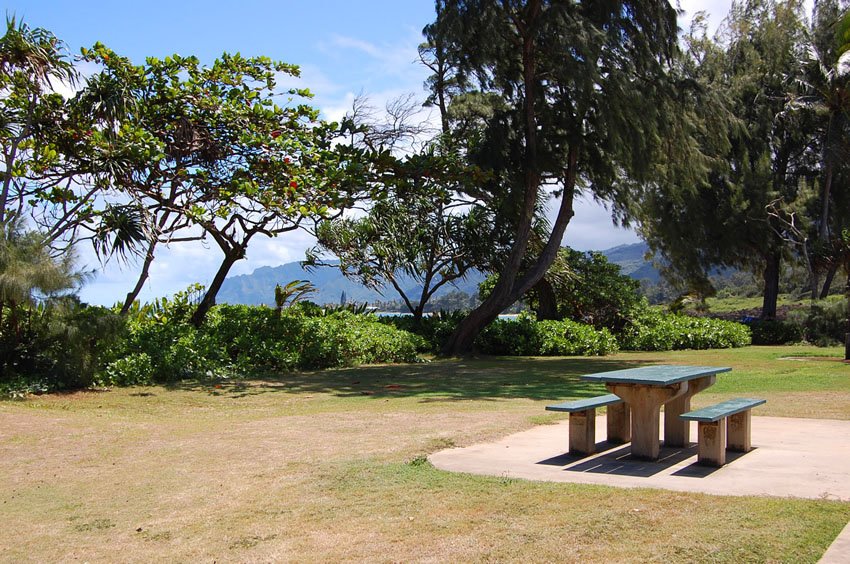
592 228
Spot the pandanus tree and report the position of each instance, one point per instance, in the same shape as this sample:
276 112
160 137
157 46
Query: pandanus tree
580 89
207 153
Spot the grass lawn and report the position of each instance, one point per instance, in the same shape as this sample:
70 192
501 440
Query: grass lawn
330 466
726 305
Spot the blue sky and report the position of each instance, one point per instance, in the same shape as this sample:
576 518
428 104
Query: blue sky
344 48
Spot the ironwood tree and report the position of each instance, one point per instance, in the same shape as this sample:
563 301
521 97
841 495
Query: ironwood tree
576 100
736 96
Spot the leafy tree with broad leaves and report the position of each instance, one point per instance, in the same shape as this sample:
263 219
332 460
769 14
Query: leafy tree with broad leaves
575 95
207 153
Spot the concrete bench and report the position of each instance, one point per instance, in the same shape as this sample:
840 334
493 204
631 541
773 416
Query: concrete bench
583 421
723 426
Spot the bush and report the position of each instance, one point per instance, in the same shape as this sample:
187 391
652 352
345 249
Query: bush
652 330
775 332
527 337
344 339
163 346
433 330
135 369
57 344
822 325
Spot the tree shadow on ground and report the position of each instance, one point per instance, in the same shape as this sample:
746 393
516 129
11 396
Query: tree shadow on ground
486 378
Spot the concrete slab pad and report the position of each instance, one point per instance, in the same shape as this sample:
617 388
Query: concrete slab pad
804 458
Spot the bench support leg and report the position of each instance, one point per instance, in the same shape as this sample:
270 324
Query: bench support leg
676 431
712 443
619 418
738 432
583 432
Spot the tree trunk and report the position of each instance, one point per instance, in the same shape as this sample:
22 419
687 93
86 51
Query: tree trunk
771 285
547 303
143 277
209 298
827 284
504 295
847 334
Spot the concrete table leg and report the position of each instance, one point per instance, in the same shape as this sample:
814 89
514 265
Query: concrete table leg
645 402
619 419
583 432
712 443
738 432
676 431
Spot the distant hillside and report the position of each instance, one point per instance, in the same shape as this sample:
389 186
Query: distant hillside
258 287
632 263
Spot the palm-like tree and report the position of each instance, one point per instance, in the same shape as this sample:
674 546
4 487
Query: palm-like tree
827 93
31 63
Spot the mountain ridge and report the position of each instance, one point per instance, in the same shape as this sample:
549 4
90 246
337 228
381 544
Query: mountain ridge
257 287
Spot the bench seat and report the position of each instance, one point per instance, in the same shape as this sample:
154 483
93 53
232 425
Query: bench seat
723 426
587 403
582 423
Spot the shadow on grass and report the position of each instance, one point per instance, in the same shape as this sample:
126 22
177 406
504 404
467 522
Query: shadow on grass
488 378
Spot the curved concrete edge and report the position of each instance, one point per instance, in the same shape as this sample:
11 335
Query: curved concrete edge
802 458
839 551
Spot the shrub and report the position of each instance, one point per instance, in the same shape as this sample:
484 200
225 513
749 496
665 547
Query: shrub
652 330
433 330
163 346
56 344
527 337
135 369
343 339
822 325
775 332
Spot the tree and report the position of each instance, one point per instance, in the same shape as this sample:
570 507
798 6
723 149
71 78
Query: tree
415 232
52 167
206 153
754 150
579 89
826 94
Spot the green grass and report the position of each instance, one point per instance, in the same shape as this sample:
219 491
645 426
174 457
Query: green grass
331 466
726 305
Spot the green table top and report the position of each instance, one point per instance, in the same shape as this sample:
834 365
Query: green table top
661 375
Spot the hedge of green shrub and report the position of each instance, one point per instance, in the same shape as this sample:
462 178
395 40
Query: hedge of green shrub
161 345
822 324
775 332
527 337
434 330
653 330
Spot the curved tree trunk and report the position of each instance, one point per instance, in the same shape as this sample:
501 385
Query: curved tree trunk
209 297
827 283
508 289
143 277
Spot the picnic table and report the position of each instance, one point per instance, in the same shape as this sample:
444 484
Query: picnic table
646 389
